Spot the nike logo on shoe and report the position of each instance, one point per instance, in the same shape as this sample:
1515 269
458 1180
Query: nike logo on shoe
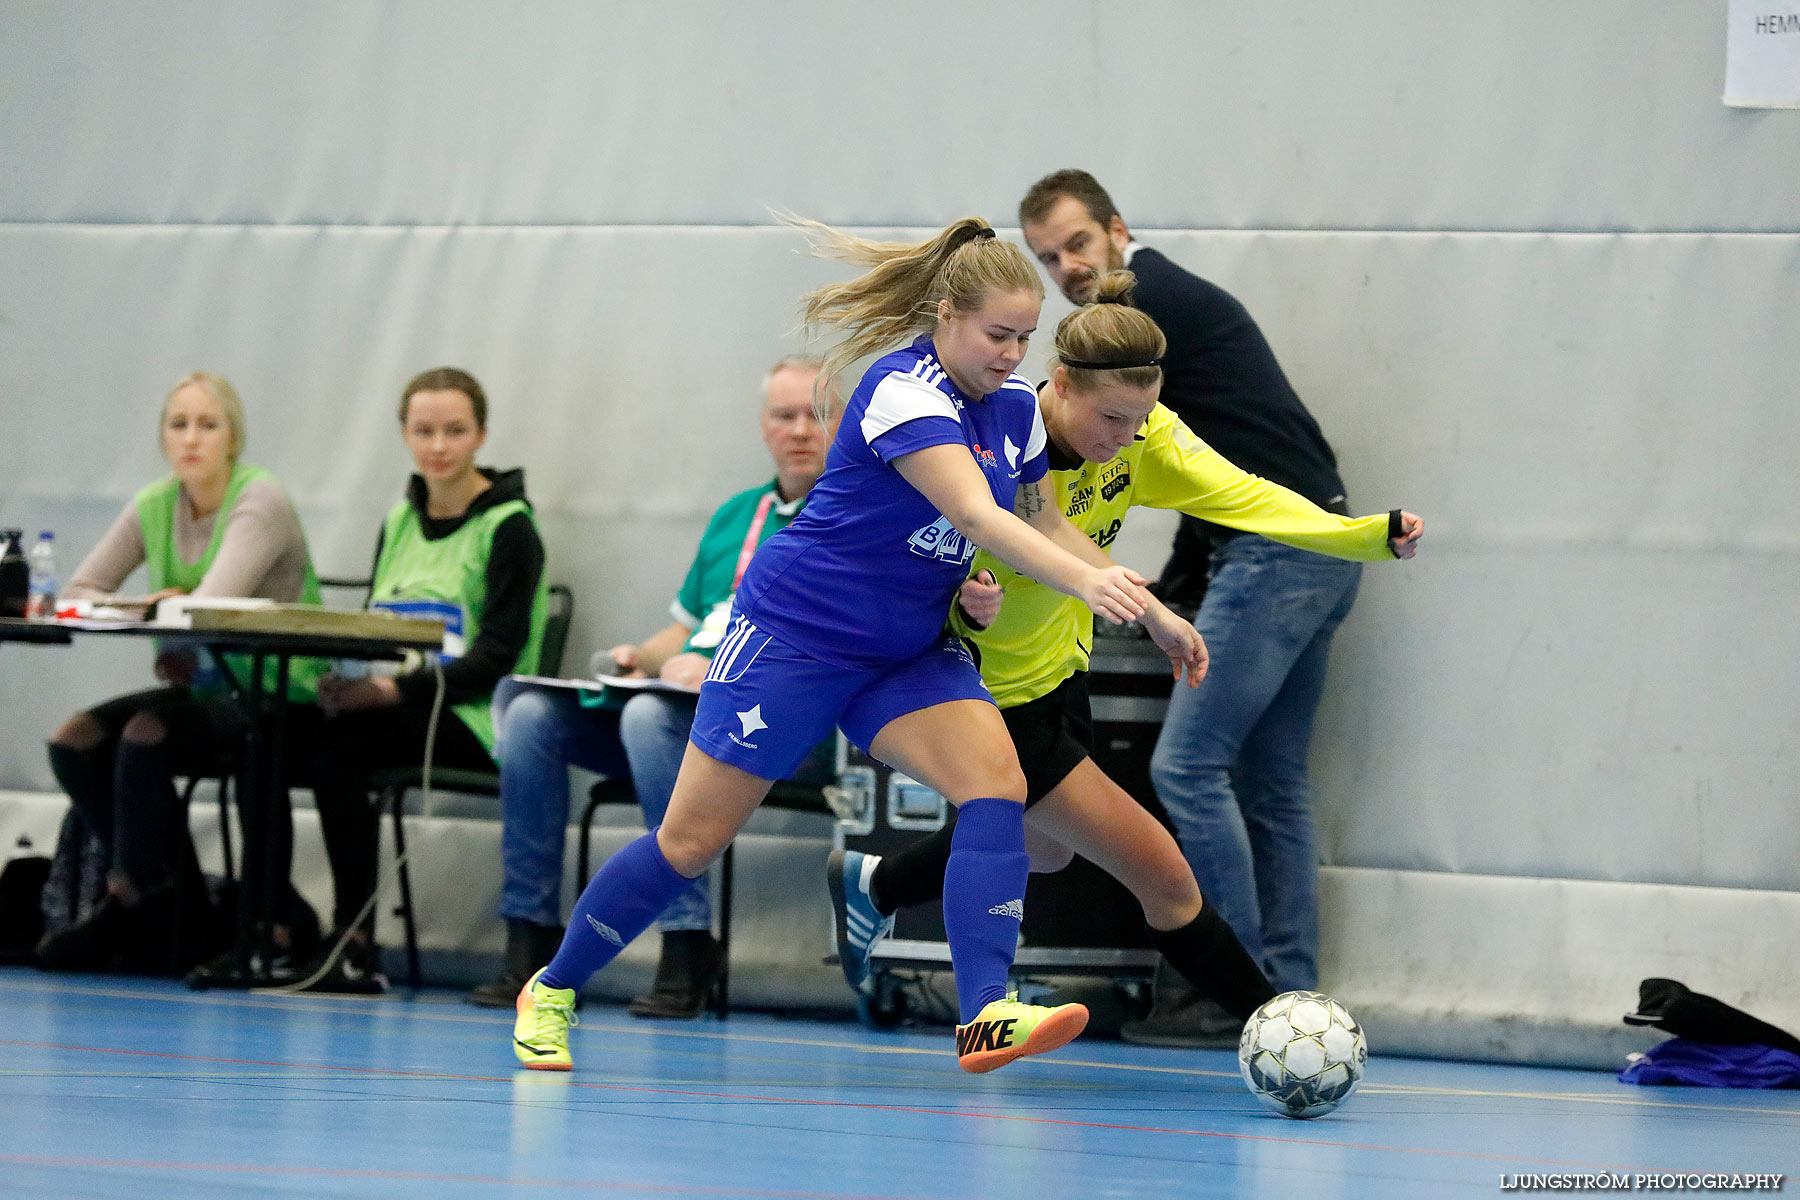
1005 1030
985 1035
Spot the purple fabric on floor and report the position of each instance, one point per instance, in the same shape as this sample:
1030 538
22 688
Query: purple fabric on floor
1683 1061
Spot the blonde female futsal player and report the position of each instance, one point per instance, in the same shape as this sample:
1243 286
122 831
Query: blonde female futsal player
1112 447
840 620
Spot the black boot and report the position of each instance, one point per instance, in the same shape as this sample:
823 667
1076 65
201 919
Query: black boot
685 975
97 942
528 948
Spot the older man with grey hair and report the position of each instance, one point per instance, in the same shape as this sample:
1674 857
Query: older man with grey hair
543 730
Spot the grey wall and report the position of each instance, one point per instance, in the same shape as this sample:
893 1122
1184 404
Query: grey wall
1537 283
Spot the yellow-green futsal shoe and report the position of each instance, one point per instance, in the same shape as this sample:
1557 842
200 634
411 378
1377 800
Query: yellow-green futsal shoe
1006 1029
541 1032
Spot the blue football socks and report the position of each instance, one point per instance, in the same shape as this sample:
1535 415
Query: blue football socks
984 899
619 903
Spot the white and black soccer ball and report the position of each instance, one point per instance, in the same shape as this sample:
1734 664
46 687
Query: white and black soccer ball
1302 1054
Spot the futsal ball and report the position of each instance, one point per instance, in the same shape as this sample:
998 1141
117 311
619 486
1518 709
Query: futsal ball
1302 1054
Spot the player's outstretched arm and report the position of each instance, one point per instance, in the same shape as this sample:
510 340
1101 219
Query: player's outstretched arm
1172 635
949 478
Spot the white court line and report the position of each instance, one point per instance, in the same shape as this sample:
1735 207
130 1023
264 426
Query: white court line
425 1011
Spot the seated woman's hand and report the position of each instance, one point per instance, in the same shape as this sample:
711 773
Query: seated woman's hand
686 670
337 695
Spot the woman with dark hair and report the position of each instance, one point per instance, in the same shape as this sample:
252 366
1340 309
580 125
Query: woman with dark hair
461 547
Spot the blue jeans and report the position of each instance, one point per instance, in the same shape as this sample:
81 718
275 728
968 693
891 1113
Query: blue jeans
542 732
1230 765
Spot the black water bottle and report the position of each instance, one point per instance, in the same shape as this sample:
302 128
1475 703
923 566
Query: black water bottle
15 576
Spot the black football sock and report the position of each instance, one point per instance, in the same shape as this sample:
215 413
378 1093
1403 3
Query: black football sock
915 875
86 776
1209 955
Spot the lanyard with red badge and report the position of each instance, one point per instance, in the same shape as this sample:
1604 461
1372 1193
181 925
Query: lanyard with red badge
752 538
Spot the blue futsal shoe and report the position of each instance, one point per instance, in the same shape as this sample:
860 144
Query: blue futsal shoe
858 922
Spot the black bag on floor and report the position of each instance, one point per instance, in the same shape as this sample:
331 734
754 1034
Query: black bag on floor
21 898
77 877
1669 1005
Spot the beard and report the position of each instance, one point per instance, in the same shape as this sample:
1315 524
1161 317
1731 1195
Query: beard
1082 285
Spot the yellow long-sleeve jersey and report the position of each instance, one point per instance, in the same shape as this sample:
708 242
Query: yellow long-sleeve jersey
1041 636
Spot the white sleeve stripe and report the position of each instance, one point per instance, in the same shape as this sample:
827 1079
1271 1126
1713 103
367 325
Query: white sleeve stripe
928 370
901 398
1034 445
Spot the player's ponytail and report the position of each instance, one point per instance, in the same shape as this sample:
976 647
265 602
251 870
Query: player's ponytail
898 296
1109 339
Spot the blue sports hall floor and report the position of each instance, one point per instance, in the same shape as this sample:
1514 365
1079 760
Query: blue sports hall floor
121 1088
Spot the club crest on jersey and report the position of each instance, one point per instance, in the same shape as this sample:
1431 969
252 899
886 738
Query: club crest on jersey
1012 456
1114 480
940 540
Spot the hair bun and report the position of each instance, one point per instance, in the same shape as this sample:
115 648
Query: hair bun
1115 287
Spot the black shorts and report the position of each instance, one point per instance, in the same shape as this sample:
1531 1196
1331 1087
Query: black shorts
1052 734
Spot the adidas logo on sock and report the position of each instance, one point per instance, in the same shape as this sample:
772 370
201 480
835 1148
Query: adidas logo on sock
1012 908
612 935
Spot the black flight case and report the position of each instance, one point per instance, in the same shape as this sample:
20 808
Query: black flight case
1078 921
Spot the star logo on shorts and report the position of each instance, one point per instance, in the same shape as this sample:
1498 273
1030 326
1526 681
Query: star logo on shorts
752 720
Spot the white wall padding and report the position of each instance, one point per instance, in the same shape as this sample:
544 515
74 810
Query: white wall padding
1389 114
1537 283
1541 970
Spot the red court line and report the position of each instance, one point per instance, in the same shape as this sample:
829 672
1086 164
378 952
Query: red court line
853 1104
592 1185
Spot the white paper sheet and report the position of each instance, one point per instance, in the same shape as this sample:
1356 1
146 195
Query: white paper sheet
1762 54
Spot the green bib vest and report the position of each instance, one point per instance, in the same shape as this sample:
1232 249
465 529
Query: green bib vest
450 576
156 520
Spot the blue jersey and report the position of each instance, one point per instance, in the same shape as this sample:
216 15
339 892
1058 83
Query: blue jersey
865 574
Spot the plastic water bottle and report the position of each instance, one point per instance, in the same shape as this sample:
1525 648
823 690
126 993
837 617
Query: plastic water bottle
42 561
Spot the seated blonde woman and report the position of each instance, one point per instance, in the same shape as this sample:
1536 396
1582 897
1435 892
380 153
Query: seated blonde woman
215 526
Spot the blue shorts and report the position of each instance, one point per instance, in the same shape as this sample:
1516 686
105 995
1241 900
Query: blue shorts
765 705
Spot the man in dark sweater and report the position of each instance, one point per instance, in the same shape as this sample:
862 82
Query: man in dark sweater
1230 765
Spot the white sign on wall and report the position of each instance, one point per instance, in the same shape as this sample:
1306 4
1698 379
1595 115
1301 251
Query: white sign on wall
1762 54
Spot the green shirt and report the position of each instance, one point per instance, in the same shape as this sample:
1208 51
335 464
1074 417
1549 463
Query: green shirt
446 578
156 521
703 604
